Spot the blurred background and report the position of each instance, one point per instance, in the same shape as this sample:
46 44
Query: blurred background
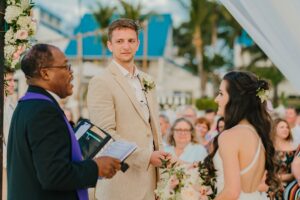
186 46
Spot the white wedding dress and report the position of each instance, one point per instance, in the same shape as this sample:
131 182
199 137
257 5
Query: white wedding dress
220 175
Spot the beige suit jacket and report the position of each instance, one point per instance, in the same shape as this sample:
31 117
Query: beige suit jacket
113 106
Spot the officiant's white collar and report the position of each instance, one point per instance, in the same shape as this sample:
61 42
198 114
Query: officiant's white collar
55 96
125 72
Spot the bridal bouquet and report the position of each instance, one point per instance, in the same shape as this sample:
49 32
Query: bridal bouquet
186 182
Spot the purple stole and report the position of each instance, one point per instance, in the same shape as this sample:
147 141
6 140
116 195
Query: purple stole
76 152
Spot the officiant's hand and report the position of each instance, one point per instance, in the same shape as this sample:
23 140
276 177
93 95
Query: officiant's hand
107 166
157 156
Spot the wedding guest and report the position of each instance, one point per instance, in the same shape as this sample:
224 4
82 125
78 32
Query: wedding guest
183 144
292 190
202 127
220 125
164 127
210 115
9 107
296 167
187 111
291 118
244 149
211 136
284 152
44 160
123 102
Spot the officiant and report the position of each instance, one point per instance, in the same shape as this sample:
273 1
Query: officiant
44 159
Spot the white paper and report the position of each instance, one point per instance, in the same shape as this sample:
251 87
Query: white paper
119 149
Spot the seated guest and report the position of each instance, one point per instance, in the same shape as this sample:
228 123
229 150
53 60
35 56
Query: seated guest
183 145
284 151
202 127
296 166
292 190
164 127
220 125
187 111
211 135
210 115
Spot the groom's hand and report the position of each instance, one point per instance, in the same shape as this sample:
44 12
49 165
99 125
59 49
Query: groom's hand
107 166
157 157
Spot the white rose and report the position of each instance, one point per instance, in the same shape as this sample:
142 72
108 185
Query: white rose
32 27
25 4
14 63
24 22
11 13
11 2
9 50
10 36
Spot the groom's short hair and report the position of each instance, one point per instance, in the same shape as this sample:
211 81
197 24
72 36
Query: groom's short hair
123 23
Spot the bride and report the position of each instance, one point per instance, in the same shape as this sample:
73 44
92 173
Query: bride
244 151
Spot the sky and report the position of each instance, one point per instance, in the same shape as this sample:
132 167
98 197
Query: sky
69 9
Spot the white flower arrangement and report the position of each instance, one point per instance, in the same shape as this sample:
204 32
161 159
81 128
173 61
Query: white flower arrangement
262 94
21 28
186 182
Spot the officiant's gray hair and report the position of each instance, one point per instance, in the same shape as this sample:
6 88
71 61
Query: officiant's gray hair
38 56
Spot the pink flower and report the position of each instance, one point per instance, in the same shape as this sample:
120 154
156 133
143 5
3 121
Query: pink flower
16 56
21 48
205 191
173 182
22 34
19 51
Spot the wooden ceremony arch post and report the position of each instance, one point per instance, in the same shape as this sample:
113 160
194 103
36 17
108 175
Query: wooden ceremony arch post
2 32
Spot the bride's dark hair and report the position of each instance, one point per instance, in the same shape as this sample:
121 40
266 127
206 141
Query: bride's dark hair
242 88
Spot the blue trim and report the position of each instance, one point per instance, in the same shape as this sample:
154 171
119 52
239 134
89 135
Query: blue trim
158 32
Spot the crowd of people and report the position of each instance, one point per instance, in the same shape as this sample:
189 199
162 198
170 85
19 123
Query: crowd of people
255 155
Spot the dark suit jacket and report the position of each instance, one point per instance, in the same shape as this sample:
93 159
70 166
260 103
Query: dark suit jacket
39 162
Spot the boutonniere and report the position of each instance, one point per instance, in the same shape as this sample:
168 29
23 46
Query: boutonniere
148 83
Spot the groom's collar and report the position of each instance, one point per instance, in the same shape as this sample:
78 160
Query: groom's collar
126 73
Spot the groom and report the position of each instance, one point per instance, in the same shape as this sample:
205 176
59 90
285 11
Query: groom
122 101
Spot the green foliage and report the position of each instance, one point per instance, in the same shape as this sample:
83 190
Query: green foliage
130 11
283 99
270 73
103 15
206 103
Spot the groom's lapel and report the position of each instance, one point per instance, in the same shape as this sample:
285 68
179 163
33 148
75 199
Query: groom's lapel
127 89
153 117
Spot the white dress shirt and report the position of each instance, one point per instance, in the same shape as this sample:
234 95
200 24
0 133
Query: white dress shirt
137 88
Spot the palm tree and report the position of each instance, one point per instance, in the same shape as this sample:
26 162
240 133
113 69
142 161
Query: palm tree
135 13
270 73
200 12
103 16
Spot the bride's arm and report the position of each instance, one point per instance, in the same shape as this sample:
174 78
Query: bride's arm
228 149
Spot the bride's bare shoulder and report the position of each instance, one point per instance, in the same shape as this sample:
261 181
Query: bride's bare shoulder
235 134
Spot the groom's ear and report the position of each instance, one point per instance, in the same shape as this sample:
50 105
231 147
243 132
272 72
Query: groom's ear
109 45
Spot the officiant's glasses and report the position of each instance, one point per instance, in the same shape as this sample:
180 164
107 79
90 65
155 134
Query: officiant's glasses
67 67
